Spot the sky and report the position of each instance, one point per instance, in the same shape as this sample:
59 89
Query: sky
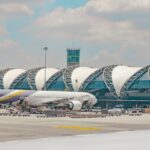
107 32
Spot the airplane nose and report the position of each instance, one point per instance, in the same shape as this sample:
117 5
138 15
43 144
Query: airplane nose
93 99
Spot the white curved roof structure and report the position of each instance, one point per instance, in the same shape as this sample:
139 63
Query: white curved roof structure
10 76
116 81
121 74
79 75
39 78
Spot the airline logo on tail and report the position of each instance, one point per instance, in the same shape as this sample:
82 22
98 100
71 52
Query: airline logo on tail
12 96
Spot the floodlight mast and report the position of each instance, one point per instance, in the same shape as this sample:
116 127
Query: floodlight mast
45 66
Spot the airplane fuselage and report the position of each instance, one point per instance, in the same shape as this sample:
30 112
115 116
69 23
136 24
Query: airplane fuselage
37 98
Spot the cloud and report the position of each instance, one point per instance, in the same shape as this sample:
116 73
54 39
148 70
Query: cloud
13 55
23 1
122 39
117 5
8 44
10 9
3 30
80 24
131 57
134 57
119 41
19 7
104 58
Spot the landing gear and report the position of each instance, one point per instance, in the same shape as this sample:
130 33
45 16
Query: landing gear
87 106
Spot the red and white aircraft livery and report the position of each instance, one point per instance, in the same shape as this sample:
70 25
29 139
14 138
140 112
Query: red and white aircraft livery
72 100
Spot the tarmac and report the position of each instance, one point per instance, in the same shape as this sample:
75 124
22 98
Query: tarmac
129 140
22 128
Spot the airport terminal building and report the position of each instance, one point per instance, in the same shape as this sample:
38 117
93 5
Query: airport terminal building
112 85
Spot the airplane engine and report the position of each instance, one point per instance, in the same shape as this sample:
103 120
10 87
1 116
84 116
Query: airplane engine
75 105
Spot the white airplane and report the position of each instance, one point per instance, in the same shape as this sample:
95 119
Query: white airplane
71 100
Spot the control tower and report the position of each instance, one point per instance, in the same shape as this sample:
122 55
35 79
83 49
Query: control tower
73 57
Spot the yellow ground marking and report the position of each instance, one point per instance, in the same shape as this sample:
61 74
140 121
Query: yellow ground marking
11 95
79 128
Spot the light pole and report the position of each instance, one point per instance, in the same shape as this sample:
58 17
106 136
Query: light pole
76 85
45 65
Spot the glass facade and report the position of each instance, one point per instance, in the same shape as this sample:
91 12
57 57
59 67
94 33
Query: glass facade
57 85
138 95
23 84
99 89
140 89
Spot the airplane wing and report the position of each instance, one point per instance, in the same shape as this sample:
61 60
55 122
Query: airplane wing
55 100
42 101
61 100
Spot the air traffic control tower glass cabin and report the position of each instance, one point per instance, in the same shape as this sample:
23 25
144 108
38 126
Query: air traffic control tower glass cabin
73 57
